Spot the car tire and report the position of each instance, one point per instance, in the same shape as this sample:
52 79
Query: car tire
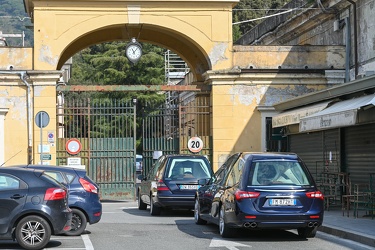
197 218
141 204
224 230
307 232
79 223
154 210
33 232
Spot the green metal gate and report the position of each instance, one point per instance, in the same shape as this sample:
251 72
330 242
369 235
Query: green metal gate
105 130
168 127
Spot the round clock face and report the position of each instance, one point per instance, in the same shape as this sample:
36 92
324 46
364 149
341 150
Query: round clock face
133 52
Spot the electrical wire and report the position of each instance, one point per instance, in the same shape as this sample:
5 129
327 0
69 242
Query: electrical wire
264 17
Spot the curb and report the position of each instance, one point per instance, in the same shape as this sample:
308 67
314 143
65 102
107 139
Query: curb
354 236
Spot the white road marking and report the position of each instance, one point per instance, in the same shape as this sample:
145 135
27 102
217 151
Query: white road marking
87 242
231 245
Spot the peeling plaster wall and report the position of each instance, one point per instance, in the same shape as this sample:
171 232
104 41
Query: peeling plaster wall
366 39
19 58
237 124
14 98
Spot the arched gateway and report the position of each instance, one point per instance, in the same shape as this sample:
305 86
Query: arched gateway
199 31
244 81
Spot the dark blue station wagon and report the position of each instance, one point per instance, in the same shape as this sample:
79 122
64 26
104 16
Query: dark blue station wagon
172 182
261 191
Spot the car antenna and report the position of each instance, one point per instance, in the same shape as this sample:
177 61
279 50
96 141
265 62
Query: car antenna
11 158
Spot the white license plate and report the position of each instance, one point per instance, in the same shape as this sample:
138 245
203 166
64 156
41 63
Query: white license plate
282 202
189 187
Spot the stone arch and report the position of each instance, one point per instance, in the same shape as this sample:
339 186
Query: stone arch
194 55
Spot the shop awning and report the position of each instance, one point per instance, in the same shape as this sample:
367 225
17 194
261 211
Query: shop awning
294 116
340 114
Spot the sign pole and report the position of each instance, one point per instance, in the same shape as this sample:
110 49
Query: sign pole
41 138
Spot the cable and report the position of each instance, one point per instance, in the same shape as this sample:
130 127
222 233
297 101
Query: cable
277 14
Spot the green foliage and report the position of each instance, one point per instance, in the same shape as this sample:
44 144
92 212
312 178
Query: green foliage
106 64
14 20
252 9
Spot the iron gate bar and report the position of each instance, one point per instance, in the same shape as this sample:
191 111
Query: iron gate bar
132 88
105 129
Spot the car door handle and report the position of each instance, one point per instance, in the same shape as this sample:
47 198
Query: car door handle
17 196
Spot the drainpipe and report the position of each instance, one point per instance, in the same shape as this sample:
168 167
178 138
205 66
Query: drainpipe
23 76
355 36
348 47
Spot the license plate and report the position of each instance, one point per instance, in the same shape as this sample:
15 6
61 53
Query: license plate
282 202
189 187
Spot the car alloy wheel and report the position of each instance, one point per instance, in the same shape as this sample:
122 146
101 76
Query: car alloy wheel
141 204
154 210
33 232
197 218
79 223
224 230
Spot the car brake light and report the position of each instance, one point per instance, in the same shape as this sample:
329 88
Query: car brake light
89 187
316 194
55 194
161 186
245 195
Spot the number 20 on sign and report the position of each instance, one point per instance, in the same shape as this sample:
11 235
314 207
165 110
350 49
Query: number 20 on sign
195 144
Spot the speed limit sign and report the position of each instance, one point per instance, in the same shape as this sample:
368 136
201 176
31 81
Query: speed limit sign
195 144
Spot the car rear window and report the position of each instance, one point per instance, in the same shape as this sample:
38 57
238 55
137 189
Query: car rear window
277 173
188 169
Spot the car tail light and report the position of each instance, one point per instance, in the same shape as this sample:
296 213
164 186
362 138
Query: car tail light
316 194
88 186
245 195
55 194
161 186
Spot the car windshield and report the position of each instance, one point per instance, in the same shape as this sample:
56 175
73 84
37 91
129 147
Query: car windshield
187 168
277 173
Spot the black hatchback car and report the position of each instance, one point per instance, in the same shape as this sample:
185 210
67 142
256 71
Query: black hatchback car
33 206
83 196
172 182
261 191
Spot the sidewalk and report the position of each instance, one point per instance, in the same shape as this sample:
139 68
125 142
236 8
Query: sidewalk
360 229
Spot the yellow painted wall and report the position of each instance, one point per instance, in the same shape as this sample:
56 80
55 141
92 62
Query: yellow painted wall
20 59
200 32
14 99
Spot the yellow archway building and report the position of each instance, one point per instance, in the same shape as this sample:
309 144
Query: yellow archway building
245 80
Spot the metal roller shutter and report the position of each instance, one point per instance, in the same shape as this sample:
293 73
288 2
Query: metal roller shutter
320 150
309 148
360 152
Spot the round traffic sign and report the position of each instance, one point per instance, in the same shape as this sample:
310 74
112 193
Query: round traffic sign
73 146
195 144
42 119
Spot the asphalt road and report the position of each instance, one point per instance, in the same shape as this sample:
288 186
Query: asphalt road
123 226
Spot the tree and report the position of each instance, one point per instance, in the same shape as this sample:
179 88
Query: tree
252 9
14 19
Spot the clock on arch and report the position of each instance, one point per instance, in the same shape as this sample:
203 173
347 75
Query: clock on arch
133 51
